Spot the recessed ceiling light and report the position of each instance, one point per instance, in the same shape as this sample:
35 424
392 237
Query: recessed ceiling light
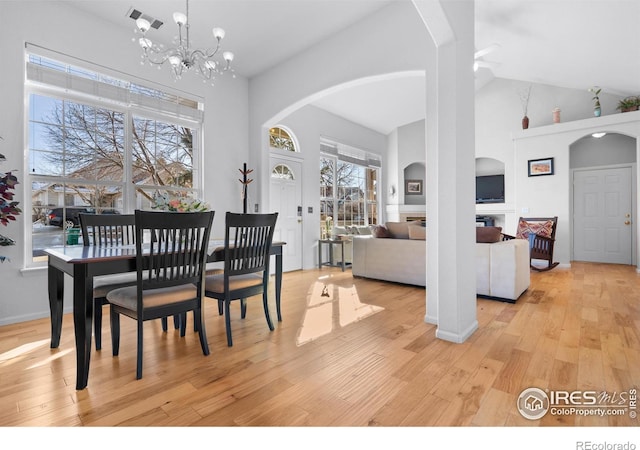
598 135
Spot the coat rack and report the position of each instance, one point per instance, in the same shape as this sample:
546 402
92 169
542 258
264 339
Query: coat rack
245 181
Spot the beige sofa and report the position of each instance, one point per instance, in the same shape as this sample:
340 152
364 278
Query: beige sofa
355 230
502 268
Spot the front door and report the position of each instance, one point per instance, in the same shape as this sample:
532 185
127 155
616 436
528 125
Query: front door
285 198
602 215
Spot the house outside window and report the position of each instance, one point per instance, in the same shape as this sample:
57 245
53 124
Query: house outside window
348 186
102 145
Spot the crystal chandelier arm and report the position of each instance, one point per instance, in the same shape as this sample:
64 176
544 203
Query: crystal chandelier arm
205 54
156 55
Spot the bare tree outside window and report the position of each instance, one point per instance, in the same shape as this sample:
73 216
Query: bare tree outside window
347 193
77 158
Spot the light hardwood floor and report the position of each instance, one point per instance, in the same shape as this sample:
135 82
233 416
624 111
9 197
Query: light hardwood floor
349 352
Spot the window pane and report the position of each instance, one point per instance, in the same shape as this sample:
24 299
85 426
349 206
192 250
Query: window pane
77 157
162 153
352 200
279 138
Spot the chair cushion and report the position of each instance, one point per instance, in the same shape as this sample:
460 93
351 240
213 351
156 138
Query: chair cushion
105 283
215 283
127 296
543 229
488 235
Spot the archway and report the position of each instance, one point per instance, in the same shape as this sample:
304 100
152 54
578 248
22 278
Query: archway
603 167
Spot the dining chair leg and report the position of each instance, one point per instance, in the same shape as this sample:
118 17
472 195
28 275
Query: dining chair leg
139 358
197 318
182 320
243 308
115 332
227 322
97 323
220 306
176 321
164 324
265 302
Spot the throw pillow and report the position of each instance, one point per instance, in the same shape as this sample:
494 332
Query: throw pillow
417 231
398 230
488 235
540 228
363 229
379 231
340 230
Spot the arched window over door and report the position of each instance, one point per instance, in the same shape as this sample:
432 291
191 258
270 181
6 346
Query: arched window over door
280 138
283 172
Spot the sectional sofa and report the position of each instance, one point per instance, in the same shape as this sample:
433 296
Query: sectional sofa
397 252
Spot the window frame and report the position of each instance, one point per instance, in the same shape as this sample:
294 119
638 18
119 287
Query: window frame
130 111
335 189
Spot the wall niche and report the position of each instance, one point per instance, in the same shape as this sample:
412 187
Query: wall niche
414 175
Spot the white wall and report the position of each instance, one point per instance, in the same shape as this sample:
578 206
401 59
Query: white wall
390 42
498 120
58 27
411 141
610 149
550 195
309 124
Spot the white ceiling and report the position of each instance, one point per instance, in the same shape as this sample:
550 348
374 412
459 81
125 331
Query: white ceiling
567 43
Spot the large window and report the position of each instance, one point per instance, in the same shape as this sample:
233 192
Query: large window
348 186
102 145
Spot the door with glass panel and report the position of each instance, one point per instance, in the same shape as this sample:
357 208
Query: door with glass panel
286 200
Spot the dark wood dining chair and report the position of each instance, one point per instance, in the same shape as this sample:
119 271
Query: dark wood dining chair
247 245
107 230
170 275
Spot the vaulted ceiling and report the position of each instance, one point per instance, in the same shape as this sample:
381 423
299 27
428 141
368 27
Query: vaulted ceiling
566 43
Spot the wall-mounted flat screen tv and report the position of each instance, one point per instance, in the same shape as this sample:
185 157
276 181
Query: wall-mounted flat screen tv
490 189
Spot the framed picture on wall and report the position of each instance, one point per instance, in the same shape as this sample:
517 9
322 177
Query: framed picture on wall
538 167
413 187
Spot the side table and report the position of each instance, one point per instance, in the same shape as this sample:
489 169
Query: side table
331 243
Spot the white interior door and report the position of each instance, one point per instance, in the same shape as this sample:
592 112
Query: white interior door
286 199
602 215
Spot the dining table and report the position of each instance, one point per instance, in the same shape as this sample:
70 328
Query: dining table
83 263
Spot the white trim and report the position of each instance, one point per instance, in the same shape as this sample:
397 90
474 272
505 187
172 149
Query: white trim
68 59
457 338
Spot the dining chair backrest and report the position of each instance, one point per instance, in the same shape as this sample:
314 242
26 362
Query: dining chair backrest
107 229
247 243
177 252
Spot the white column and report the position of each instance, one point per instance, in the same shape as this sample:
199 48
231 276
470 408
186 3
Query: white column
450 139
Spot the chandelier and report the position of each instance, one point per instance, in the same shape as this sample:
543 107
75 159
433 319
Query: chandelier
181 56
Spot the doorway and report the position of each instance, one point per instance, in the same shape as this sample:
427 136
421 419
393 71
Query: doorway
602 215
285 198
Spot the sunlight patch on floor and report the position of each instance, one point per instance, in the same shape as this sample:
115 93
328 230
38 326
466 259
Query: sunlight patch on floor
351 308
22 350
329 306
45 361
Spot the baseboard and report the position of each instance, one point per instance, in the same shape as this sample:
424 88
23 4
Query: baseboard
457 338
499 299
430 319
